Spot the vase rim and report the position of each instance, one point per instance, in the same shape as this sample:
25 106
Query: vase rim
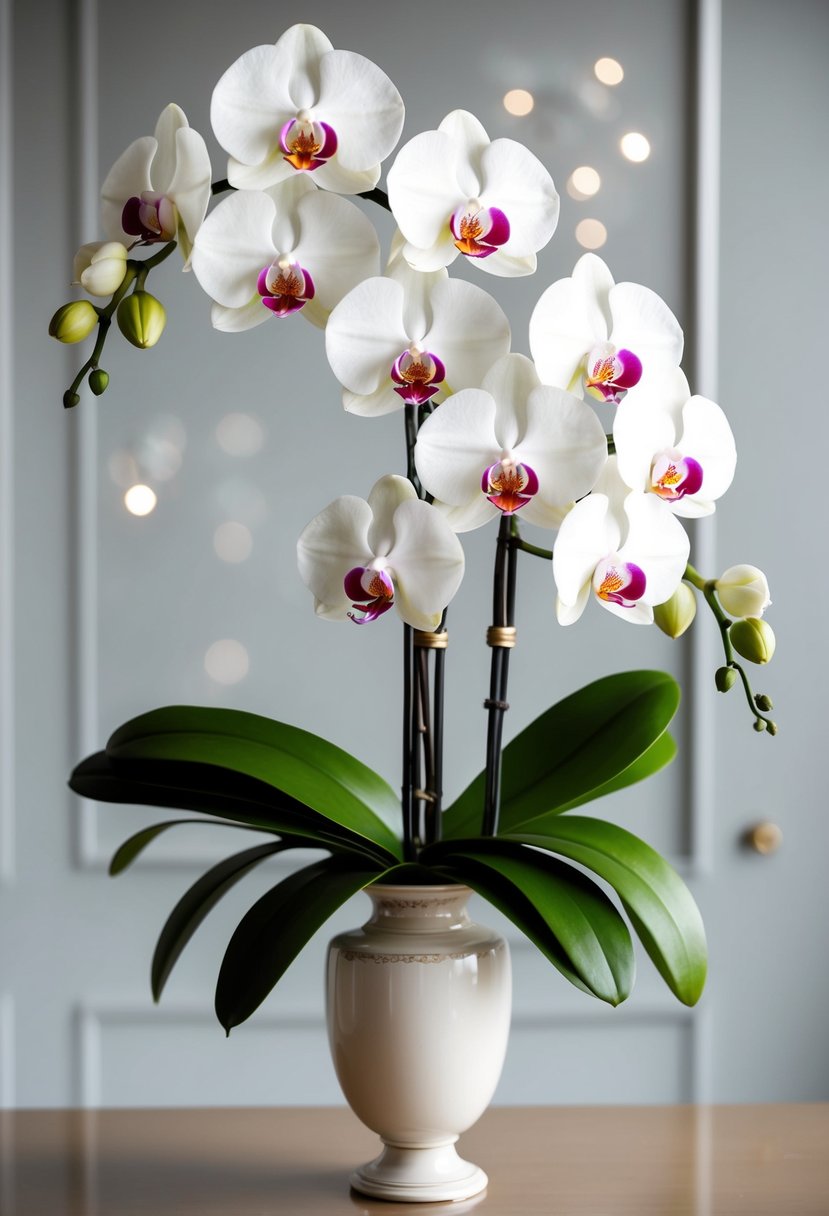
418 889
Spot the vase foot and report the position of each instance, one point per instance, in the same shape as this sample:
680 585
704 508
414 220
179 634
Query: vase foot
419 1175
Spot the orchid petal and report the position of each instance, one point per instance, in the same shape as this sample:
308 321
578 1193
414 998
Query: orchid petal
334 176
568 614
468 516
437 257
639 431
564 442
235 320
470 139
506 267
658 543
252 101
171 120
707 436
189 186
427 561
334 542
469 331
362 105
642 322
372 405
130 175
385 497
516 181
418 289
232 246
337 243
510 381
567 321
422 202
271 171
586 535
454 446
305 46
365 335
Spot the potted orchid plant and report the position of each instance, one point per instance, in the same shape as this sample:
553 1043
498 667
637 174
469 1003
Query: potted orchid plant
597 440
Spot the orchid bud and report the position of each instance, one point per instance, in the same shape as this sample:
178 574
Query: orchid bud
676 614
763 702
141 319
98 381
73 322
724 678
100 267
70 399
753 639
743 591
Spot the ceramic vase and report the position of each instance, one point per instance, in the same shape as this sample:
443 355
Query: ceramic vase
418 1010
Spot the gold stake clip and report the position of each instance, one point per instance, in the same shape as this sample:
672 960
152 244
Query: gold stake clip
501 635
431 641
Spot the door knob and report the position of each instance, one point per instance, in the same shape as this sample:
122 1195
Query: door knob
764 838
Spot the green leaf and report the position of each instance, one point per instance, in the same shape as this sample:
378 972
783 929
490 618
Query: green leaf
563 912
195 904
132 848
231 796
581 747
278 926
660 906
658 756
301 765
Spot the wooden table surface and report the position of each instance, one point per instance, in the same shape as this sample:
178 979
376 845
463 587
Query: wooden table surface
559 1161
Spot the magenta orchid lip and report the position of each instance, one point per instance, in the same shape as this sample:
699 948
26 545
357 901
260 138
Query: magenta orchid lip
674 476
285 287
371 593
479 231
151 217
619 582
306 144
610 373
418 375
509 486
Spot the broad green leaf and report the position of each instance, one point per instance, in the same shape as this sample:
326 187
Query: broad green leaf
231 796
277 927
126 854
195 904
563 912
575 751
657 757
660 906
303 766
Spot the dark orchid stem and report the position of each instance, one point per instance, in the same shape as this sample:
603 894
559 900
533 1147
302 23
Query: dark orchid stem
376 196
407 792
501 638
424 744
410 422
221 186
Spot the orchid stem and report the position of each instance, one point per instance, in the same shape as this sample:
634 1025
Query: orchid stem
407 792
503 613
376 196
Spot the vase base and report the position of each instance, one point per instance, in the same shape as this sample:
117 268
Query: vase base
419 1175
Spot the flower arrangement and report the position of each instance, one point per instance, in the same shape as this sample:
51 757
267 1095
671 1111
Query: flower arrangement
489 435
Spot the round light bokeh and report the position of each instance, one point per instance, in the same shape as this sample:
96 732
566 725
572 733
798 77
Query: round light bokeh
232 542
227 661
609 71
140 500
583 183
591 234
519 102
635 146
240 435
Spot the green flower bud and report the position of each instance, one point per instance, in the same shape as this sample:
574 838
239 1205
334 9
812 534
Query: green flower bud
763 702
753 639
98 381
73 322
70 400
759 726
676 614
724 678
141 319
772 728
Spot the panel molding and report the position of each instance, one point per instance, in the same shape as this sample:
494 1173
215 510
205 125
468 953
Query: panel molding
7 1052
7 398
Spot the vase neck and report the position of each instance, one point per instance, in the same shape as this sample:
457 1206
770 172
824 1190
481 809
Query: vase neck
406 909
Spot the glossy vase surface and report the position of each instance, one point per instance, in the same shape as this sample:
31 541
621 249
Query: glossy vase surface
418 1008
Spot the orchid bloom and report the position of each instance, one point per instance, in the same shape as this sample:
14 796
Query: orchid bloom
292 248
301 107
361 558
453 191
675 446
512 445
592 336
405 338
159 188
625 547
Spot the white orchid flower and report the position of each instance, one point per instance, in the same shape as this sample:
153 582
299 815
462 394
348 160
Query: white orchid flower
159 188
627 547
511 445
407 337
100 267
590 335
302 107
676 446
453 191
744 591
273 253
359 558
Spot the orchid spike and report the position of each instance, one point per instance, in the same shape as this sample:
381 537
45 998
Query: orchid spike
454 192
302 107
359 558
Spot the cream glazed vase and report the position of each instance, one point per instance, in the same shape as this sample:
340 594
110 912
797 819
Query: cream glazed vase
418 1004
